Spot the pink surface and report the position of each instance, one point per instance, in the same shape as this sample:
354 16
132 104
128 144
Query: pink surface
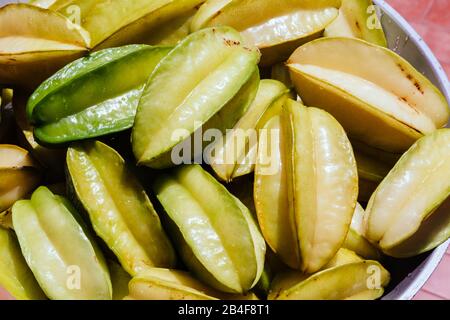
5 295
431 19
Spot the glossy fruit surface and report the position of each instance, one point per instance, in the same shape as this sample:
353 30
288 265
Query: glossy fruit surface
118 207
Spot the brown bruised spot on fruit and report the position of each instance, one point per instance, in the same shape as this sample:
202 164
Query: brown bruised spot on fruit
218 13
412 105
419 87
231 43
412 79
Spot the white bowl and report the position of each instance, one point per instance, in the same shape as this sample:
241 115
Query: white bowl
404 40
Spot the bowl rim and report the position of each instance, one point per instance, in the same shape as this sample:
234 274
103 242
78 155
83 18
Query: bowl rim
413 283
